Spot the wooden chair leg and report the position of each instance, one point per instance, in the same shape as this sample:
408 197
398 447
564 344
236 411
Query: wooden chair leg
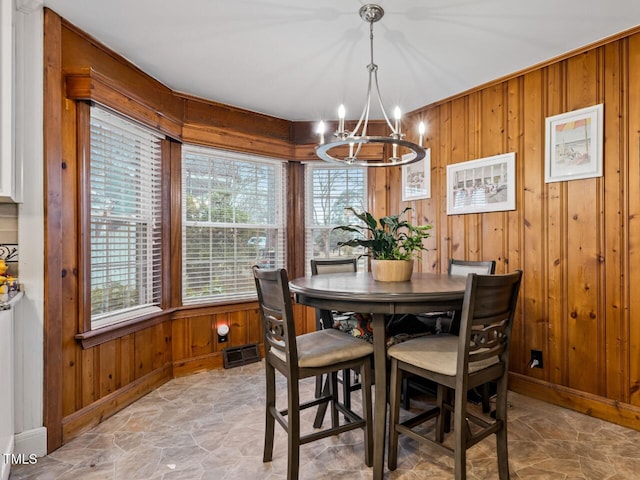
319 383
460 436
395 387
269 419
346 388
486 405
293 432
406 401
442 417
501 435
334 398
367 412
322 408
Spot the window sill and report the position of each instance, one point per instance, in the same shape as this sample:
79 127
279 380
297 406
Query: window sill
111 332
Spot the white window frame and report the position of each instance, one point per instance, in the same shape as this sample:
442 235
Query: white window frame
311 224
249 242
148 251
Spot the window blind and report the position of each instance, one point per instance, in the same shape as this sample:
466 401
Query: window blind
125 197
329 190
233 218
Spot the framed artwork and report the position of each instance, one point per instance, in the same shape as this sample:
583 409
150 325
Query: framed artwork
416 179
9 252
483 185
573 145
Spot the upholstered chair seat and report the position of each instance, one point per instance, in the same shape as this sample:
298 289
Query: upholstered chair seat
438 353
328 347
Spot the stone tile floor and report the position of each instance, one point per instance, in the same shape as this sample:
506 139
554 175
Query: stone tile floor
210 426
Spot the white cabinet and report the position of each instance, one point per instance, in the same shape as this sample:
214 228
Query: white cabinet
6 392
10 165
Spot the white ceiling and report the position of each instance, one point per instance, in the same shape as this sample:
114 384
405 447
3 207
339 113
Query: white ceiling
298 60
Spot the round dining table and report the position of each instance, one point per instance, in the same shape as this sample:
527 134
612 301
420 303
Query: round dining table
359 292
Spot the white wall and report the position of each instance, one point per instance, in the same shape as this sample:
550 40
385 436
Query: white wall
29 314
6 317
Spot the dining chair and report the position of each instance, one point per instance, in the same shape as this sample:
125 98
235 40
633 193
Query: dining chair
309 355
320 266
465 267
328 319
479 354
449 322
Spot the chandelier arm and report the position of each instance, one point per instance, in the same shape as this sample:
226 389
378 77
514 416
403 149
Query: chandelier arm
364 116
384 113
355 155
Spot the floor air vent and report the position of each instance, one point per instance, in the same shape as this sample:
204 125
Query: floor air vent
242 355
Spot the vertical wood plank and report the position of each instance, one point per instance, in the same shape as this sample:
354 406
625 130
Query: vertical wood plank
492 229
254 326
175 224
201 333
52 136
583 230
514 143
144 350
532 293
474 221
431 207
458 135
87 387
238 328
442 146
179 339
107 367
615 135
126 375
69 319
556 243
633 218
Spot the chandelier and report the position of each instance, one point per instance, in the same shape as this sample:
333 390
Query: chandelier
354 147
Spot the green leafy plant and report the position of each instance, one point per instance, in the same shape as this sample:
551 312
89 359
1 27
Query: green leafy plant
389 238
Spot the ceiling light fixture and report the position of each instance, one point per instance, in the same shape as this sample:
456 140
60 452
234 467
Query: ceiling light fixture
402 151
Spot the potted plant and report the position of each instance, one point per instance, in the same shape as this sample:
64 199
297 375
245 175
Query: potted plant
392 243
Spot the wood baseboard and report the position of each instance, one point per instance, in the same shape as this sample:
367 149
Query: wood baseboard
593 405
90 416
201 363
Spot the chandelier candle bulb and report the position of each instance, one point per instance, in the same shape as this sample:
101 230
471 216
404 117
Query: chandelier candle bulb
421 130
341 115
397 114
320 131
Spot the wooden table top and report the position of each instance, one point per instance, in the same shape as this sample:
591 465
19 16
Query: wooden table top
362 286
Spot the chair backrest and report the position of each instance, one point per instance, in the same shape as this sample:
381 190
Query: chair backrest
465 267
321 266
276 312
486 321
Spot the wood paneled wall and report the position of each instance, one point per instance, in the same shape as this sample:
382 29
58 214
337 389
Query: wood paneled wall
577 242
